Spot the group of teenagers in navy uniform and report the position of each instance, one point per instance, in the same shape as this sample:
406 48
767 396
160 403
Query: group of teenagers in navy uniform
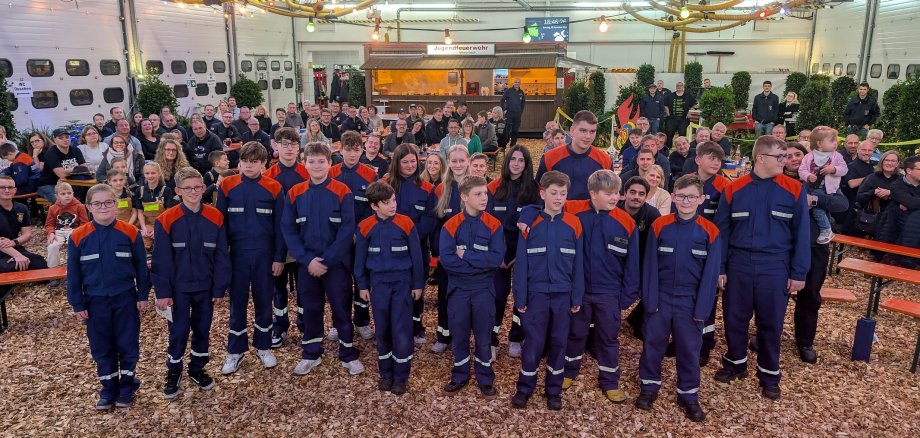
553 239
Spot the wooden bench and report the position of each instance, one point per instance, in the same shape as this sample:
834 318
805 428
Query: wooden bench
880 275
834 295
842 243
492 157
24 277
911 309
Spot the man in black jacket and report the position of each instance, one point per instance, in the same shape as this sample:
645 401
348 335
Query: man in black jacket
765 110
170 124
512 103
677 109
225 131
252 133
901 224
397 137
861 112
202 143
436 128
652 108
328 128
857 171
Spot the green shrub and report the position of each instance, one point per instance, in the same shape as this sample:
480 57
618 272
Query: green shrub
693 76
247 93
597 96
576 98
815 109
887 122
907 120
841 89
819 77
6 112
795 82
154 95
357 95
718 105
645 75
741 87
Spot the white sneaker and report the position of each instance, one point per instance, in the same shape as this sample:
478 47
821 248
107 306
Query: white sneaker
305 366
825 237
514 349
268 359
494 353
439 347
420 340
365 332
333 334
232 363
354 367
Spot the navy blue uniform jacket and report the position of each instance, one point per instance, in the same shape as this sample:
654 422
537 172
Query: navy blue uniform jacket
190 252
106 260
387 250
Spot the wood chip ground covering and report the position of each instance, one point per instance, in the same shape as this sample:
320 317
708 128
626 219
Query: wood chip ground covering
48 386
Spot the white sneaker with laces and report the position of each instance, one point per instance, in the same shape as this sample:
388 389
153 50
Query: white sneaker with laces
825 237
439 347
365 332
333 334
354 367
419 340
514 349
267 357
305 366
232 364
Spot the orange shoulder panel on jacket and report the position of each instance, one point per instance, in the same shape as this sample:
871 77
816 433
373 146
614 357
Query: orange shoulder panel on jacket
491 221
81 232
365 226
427 187
212 214
169 217
272 172
535 222
273 187
339 188
720 183
624 219
453 223
229 183
298 189
711 229
573 222
367 172
335 171
551 158
735 186
662 222
24 158
601 158
493 186
439 190
790 185
403 222
127 229
302 171
576 206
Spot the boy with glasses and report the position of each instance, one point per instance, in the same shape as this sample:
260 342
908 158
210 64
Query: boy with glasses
190 262
107 286
681 268
252 205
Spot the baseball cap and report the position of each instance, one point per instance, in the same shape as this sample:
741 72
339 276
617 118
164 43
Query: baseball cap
59 132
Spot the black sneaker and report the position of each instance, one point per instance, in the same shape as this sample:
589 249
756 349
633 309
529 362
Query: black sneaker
692 410
808 354
554 402
104 404
171 389
202 379
520 400
645 400
726 375
385 384
399 388
771 392
278 339
704 357
432 281
125 401
453 387
488 391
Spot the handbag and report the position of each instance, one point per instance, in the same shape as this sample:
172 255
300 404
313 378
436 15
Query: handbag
867 217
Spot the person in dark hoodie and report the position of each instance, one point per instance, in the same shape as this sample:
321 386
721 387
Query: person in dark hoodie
201 143
861 112
652 108
765 110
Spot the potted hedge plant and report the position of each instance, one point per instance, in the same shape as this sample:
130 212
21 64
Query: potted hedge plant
815 101
795 82
741 87
247 92
154 95
717 105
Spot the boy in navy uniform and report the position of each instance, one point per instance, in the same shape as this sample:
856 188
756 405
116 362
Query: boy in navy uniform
318 225
386 250
190 266
611 269
580 159
682 265
22 168
357 177
252 205
549 283
472 247
288 172
107 286
763 219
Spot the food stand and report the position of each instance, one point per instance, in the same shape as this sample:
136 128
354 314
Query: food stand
477 74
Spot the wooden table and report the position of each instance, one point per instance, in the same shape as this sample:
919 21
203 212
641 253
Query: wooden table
80 182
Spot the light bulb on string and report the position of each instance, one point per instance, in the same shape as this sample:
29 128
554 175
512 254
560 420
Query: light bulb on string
762 14
603 26
782 10
684 13
526 37
376 35
447 39
310 26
